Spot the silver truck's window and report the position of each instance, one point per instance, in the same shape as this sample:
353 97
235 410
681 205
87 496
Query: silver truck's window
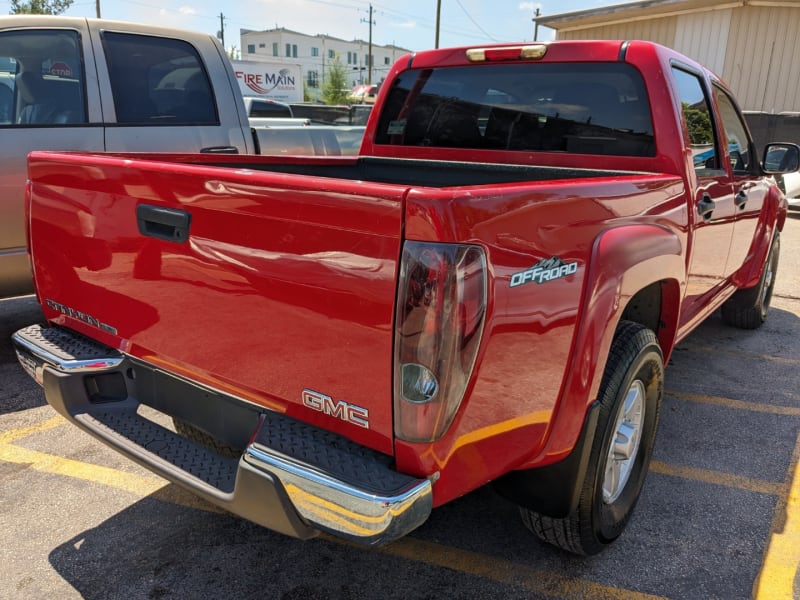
41 78
592 108
158 81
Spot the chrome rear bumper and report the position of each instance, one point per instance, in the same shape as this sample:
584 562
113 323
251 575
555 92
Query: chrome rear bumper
291 477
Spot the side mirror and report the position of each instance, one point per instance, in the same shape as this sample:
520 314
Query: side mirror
781 158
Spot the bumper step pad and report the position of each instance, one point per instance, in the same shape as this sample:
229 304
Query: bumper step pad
126 427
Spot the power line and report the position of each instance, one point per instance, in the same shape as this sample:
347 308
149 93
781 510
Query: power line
474 22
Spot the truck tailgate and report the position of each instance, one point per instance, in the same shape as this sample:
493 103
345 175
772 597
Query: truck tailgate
268 286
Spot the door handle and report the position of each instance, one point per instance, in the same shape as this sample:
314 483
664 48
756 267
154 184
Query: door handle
741 199
169 224
705 207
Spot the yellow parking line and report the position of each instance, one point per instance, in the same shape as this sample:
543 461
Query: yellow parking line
139 485
6 437
780 571
789 411
712 351
56 465
719 478
506 572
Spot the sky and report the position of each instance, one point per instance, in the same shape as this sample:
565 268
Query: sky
409 24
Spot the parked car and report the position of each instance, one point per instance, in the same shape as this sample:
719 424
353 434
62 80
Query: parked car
364 94
788 182
88 84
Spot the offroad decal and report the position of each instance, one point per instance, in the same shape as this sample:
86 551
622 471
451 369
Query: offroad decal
547 269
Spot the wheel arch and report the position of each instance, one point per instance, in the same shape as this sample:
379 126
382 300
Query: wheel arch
635 273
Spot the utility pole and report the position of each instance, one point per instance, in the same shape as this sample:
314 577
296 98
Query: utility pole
221 33
536 25
97 3
438 17
369 51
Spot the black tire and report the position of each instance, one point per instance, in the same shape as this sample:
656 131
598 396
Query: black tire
747 309
635 371
201 438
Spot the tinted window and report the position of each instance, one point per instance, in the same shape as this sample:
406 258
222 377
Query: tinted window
697 120
260 108
41 78
597 108
158 81
738 141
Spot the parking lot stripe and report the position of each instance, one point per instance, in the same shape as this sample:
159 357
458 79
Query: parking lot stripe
789 411
711 350
718 478
139 485
507 572
56 465
6 437
781 566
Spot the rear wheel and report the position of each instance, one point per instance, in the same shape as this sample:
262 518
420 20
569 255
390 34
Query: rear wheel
747 309
630 401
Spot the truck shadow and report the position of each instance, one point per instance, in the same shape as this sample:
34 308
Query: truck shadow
475 547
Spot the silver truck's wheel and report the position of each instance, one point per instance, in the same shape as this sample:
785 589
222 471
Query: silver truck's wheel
630 401
747 309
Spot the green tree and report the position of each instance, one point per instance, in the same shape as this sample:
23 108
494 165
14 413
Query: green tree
334 89
699 123
39 7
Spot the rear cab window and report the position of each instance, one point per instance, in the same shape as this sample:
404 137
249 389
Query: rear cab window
580 108
158 81
41 78
265 109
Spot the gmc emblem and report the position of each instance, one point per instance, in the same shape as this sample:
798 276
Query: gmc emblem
349 413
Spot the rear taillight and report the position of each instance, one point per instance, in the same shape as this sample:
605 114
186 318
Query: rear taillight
441 306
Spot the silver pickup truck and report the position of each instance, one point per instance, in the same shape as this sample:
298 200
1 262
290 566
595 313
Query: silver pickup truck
91 84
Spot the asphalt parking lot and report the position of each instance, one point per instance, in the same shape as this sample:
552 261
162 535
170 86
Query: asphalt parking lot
719 516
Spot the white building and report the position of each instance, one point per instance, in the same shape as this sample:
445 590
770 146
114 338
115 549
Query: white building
314 54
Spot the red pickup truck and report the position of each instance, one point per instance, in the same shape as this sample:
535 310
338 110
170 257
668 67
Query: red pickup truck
488 292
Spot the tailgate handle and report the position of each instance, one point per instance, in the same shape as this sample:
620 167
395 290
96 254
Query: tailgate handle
169 224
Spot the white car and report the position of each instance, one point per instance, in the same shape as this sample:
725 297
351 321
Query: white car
791 187
788 182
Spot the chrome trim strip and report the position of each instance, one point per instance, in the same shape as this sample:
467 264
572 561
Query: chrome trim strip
346 511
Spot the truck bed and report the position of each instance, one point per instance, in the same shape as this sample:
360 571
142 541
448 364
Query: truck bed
401 171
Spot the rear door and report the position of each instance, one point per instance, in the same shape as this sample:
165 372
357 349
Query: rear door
749 187
712 209
168 93
48 101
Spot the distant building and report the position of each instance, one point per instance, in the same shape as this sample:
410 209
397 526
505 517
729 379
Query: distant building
752 44
314 54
